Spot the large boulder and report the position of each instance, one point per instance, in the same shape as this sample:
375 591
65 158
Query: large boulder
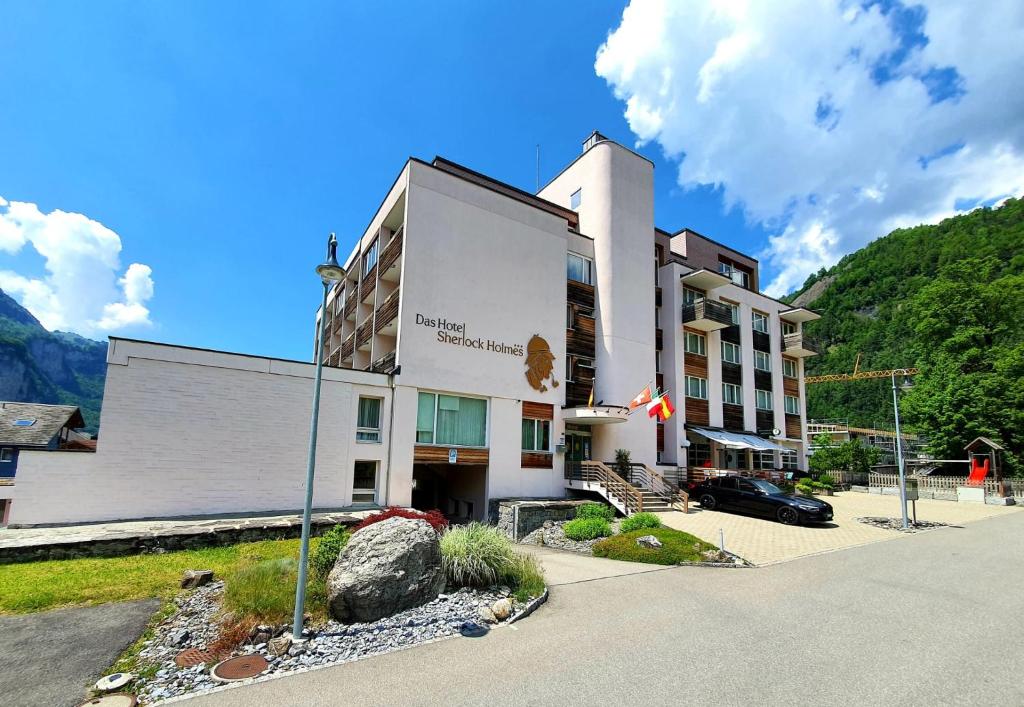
385 568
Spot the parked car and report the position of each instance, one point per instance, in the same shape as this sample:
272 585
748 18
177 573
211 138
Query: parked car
759 497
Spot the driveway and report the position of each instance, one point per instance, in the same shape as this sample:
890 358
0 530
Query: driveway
764 542
52 657
919 621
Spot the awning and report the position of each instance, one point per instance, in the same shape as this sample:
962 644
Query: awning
600 415
737 440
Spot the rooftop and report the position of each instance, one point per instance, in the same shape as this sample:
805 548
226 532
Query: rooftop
35 424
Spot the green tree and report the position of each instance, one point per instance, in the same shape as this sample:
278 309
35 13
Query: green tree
850 456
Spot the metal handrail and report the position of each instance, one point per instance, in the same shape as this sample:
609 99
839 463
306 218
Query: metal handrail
613 485
649 479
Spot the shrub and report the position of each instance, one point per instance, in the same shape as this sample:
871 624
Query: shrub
327 550
826 481
639 521
475 555
437 521
526 577
677 547
587 528
264 591
596 510
622 463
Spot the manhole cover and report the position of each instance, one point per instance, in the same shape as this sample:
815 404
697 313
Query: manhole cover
240 668
119 699
113 682
193 656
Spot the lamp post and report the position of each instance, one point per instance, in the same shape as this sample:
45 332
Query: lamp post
329 272
899 441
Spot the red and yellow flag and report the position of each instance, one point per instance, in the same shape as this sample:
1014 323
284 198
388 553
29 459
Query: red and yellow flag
661 407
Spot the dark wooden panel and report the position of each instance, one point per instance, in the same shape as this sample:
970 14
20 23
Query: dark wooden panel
694 365
388 310
576 394
536 460
657 339
429 454
732 373
538 411
661 437
731 334
657 296
762 380
580 340
765 420
697 411
791 386
579 293
732 417
793 426
659 380
762 342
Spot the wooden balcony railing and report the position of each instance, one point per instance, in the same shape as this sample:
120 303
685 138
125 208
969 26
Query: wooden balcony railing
350 306
392 252
348 347
384 364
707 314
388 310
364 332
368 285
799 345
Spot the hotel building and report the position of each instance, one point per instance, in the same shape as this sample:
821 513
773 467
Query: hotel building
462 349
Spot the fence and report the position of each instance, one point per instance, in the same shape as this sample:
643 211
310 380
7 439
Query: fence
945 486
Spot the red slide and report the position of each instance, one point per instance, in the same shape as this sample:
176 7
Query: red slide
979 470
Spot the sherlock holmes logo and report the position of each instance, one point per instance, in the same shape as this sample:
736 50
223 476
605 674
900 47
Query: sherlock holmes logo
539 359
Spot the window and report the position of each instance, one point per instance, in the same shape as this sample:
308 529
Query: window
730 352
574 200
789 460
696 387
792 405
738 276
452 421
760 322
692 296
762 361
6 454
764 460
570 317
789 368
695 344
536 435
700 453
24 422
580 269
788 328
657 361
368 420
732 394
734 309
764 400
370 258
364 482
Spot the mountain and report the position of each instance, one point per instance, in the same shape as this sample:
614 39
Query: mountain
40 366
947 298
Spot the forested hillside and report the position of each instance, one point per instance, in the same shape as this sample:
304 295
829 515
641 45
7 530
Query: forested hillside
947 298
39 366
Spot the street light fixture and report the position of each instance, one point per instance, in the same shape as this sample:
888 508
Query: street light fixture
330 272
906 385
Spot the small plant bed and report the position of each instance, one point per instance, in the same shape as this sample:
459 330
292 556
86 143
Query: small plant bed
897 524
676 548
552 534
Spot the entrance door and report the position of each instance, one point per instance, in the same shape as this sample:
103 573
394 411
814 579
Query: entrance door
577 446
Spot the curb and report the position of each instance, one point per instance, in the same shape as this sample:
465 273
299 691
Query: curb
531 607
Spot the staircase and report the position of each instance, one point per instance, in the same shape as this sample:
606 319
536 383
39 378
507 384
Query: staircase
644 490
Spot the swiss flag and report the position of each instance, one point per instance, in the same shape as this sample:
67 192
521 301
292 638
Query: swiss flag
642 399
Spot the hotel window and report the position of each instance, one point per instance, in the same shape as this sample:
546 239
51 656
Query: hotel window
691 296
368 420
739 277
760 322
789 460
570 318
763 361
657 361
364 482
695 344
732 394
536 435
788 328
764 400
6 454
569 366
792 405
734 310
696 387
730 352
580 269
574 200
451 421
765 460
700 454
789 368
370 258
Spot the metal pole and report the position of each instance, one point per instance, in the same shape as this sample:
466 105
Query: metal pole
899 452
307 510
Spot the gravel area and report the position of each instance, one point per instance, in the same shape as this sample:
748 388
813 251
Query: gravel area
552 534
897 524
196 625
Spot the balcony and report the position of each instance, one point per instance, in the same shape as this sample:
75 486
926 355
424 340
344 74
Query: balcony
364 333
384 364
348 347
390 264
387 315
350 306
707 315
799 346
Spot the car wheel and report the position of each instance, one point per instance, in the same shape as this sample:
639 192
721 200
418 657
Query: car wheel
708 501
788 516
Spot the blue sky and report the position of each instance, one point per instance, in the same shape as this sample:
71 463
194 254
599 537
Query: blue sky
223 141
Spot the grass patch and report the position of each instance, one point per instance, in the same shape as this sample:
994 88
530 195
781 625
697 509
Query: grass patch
677 547
39 586
596 510
526 577
475 555
638 521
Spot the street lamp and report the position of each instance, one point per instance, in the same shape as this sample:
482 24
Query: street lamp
906 385
329 272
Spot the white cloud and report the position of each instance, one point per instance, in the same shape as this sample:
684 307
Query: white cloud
81 291
781 105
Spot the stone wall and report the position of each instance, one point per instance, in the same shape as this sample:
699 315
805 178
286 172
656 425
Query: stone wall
517 518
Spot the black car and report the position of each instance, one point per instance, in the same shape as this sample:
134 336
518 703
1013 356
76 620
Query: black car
759 497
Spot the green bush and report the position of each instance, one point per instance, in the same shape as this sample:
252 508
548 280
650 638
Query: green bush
264 591
639 521
327 550
526 577
596 510
677 547
826 481
587 528
475 555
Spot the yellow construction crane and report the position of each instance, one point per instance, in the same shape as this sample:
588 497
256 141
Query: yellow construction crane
858 374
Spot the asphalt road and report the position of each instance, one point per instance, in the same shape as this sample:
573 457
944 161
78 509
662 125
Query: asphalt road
51 658
931 618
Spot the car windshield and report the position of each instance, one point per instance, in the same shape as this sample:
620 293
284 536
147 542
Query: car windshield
766 486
